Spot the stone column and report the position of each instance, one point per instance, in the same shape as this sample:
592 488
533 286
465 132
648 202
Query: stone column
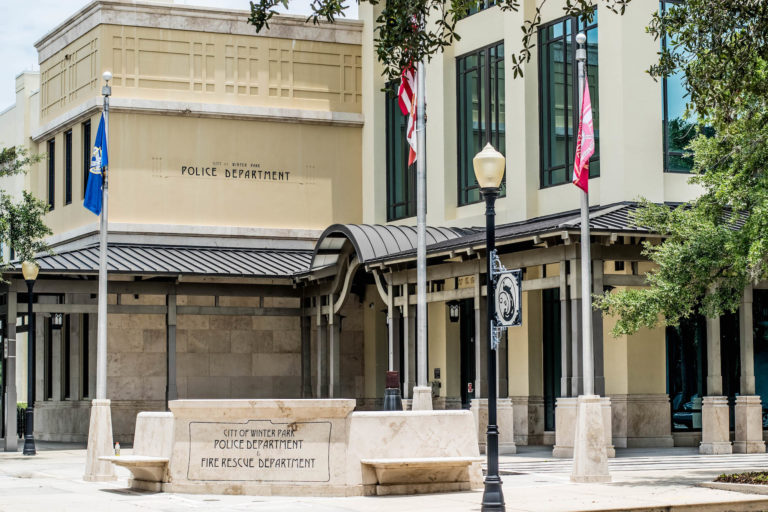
715 427
171 392
597 330
334 356
565 333
574 292
11 441
748 410
321 352
409 348
306 355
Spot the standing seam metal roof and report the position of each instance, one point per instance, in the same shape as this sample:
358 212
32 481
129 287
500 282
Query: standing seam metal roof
154 259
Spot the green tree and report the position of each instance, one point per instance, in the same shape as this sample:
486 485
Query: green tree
402 37
718 243
21 222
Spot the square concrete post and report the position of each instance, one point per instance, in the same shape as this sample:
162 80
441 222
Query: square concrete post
748 410
715 426
171 392
321 353
306 355
409 346
597 329
334 355
565 334
11 440
574 293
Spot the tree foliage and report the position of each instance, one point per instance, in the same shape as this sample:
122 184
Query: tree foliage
718 243
21 222
409 31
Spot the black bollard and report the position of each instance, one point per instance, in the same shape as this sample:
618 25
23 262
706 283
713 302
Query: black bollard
392 399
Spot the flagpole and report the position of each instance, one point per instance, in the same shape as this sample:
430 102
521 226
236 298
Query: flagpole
586 259
101 339
590 457
100 426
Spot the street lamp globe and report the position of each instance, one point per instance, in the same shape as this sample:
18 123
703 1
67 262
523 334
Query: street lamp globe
489 167
29 270
107 76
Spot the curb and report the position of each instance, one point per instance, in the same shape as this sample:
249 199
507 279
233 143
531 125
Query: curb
745 488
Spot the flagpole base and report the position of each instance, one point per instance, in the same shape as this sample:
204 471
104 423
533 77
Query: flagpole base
99 444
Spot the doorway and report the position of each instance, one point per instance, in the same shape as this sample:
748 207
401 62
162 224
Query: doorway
467 351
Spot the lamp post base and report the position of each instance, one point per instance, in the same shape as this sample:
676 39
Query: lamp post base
29 432
493 496
422 398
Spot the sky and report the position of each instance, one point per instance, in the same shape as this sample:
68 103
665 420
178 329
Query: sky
24 22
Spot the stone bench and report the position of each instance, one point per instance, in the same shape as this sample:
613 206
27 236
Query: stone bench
422 475
152 447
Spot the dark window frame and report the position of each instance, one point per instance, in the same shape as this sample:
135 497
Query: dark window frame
51 173
86 133
571 94
68 167
485 78
480 5
396 122
665 109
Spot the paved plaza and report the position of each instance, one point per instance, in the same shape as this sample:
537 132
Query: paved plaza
648 480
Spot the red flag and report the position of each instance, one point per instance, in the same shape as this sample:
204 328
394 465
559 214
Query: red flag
585 143
407 97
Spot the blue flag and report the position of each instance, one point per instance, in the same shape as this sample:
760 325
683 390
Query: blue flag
99 162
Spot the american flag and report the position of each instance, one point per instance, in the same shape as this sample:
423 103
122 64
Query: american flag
407 99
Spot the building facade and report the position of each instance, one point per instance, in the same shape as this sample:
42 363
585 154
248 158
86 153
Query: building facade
229 153
261 209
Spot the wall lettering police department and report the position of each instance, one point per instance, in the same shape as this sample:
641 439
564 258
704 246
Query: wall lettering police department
259 450
237 173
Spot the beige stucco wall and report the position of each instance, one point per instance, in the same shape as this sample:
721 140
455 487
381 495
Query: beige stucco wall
148 152
630 123
196 88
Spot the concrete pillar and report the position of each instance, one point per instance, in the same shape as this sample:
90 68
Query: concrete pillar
11 441
56 359
715 426
747 383
597 329
321 352
565 334
306 356
748 411
171 392
409 346
574 292
334 356
480 334
74 355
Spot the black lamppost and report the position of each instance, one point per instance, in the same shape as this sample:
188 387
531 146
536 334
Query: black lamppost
30 269
489 170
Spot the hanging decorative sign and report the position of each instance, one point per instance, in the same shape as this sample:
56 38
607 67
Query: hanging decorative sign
508 298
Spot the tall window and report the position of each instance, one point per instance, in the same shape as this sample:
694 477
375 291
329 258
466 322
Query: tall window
480 5
68 167
480 105
678 132
51 172
86 153
401 179
559 98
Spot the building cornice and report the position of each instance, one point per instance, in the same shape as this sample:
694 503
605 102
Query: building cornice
192 109
201 236
186 17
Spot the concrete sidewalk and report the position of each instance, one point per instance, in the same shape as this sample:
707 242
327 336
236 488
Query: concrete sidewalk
646 480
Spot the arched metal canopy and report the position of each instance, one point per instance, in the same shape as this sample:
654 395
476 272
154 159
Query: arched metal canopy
375 242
